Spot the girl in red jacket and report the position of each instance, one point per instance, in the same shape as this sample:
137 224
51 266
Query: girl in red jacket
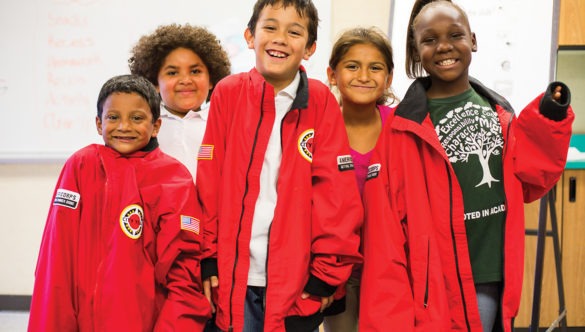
444 199
360 68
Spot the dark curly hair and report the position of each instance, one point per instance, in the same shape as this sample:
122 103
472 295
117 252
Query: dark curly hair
130 84
151 50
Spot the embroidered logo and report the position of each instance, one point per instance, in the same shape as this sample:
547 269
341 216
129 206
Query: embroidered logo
131 221
66 198
344 163
306 144
205 152
190 224
373 171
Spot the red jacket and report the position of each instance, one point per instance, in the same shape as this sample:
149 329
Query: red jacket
417 274
313 238
120 250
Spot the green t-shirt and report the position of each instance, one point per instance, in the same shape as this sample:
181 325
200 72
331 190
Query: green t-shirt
471 135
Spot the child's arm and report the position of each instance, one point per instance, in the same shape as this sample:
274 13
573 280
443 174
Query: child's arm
336 210
53 307
178 251
209 168
542 140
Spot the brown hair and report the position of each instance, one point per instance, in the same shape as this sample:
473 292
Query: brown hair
305 8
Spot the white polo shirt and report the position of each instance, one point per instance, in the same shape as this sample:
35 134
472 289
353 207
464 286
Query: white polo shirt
266 202
181 137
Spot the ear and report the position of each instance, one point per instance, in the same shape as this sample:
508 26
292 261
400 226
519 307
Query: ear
98 124
331 77
157 124
473 42
309 51
249 38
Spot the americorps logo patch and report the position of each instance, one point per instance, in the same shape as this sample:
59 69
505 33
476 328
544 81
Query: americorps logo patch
373 171
345 163
306 144
67 198
131 221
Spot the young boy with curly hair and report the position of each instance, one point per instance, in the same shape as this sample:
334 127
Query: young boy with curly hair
184 63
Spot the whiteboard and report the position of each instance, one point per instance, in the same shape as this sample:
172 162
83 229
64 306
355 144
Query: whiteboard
56 54
516 45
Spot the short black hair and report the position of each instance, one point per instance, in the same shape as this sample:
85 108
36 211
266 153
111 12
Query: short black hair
305 8
130 84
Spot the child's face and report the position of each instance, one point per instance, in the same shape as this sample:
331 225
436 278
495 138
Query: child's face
445 43
183 81
361 75
280 44
126 124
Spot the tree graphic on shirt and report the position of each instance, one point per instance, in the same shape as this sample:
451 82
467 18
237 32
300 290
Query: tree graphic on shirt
466 131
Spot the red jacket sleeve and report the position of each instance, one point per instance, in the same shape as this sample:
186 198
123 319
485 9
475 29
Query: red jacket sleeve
337 212
541 144
53 306
209 169
178 250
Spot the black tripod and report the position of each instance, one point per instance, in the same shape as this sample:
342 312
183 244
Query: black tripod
547 201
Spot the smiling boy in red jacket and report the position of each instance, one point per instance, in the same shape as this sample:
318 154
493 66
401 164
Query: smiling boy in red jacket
276 183
121 246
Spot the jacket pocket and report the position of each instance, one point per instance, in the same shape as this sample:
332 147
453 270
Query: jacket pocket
421 272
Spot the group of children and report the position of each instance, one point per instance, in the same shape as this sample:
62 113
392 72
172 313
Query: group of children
285 207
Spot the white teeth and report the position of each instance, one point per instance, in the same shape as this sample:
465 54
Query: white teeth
446 62
277 54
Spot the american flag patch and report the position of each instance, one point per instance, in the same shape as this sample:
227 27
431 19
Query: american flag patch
205 152
190 224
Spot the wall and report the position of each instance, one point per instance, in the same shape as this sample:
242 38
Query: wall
26 188
572 24
571 70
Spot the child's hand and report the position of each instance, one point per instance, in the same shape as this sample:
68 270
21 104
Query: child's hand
557 93
555 101
326 301
208 284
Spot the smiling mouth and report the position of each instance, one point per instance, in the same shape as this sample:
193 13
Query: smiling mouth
123 138
276 54
447 62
